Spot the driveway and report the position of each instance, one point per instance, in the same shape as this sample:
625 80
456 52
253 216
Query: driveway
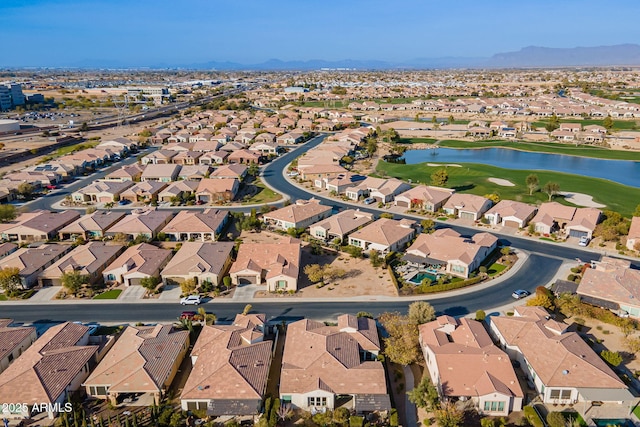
132 293
245 293
171 293
45 294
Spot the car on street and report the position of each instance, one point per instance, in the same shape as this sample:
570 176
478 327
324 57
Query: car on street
123 202
520 293
189 315
584 241
191 300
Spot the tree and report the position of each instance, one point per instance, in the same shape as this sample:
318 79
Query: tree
7 213
637 211
551 189
247 309
10 279
613 358
480 315
554 123
25 190
209 318
84 127
449 415
354 251
371 146
555 419
421 312
188 286
374 257
425 395
73 281
532 182
149 283
386 215
314 272
428 226
440 177
401 346
607 123
505 250
493 197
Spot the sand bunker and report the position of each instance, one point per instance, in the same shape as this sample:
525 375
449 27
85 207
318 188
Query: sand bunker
448 164
502 182
581 199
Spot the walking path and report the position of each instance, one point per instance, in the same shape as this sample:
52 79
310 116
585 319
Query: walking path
411 412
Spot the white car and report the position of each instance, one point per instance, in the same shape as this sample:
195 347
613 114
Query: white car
191 300
369 200
584 241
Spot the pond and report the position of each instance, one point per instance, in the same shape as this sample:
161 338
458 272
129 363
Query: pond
622 171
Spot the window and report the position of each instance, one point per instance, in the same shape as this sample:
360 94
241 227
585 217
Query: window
494 406
557 393
111 277
457 268
281 284
317 401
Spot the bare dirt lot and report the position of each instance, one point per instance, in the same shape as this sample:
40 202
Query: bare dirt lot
361 278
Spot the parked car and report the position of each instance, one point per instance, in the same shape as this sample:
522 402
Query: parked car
189 315
584 241
123 202
520 293
369 200
191 300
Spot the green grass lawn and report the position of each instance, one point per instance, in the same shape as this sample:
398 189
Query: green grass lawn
617 124
71 148
495 268
574 417
3 297
111 294
417 140
636 411
264 195
472 178
540 147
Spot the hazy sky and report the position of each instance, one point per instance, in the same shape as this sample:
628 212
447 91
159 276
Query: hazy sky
170 32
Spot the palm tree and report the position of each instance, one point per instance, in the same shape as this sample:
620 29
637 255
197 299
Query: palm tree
209 318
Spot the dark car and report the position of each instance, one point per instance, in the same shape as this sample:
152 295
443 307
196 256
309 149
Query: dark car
189 315
123 202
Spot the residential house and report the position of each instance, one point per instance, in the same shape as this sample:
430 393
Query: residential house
465 365
633 238
37 226
424 197
160 172
384 235
179 189
122 146
299 215
321 173
339 226
323 365
265 148
553 217
32 261
236 171
277 264
187 158
101 192
145 192
509 213
340 183
467 206
146 223
159 157
230 368
194 172
88 260
204 262
612 283
15 340
54 366
211 190
446 251
7 248
562 367
91 226
136 263
193 225
213 158
142 362
388 190
244 157
126 173
290 138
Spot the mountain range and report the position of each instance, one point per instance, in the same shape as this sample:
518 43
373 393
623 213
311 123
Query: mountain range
528 57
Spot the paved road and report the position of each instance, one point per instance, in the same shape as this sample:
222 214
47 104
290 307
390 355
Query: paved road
537 269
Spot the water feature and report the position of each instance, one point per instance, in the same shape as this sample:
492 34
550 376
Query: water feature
623 422
417 279
622 171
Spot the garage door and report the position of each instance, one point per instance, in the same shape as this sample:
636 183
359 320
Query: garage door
106 199
247 280
513 224
403 204
467 215
577 233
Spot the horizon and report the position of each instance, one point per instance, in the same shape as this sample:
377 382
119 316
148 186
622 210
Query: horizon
152 34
